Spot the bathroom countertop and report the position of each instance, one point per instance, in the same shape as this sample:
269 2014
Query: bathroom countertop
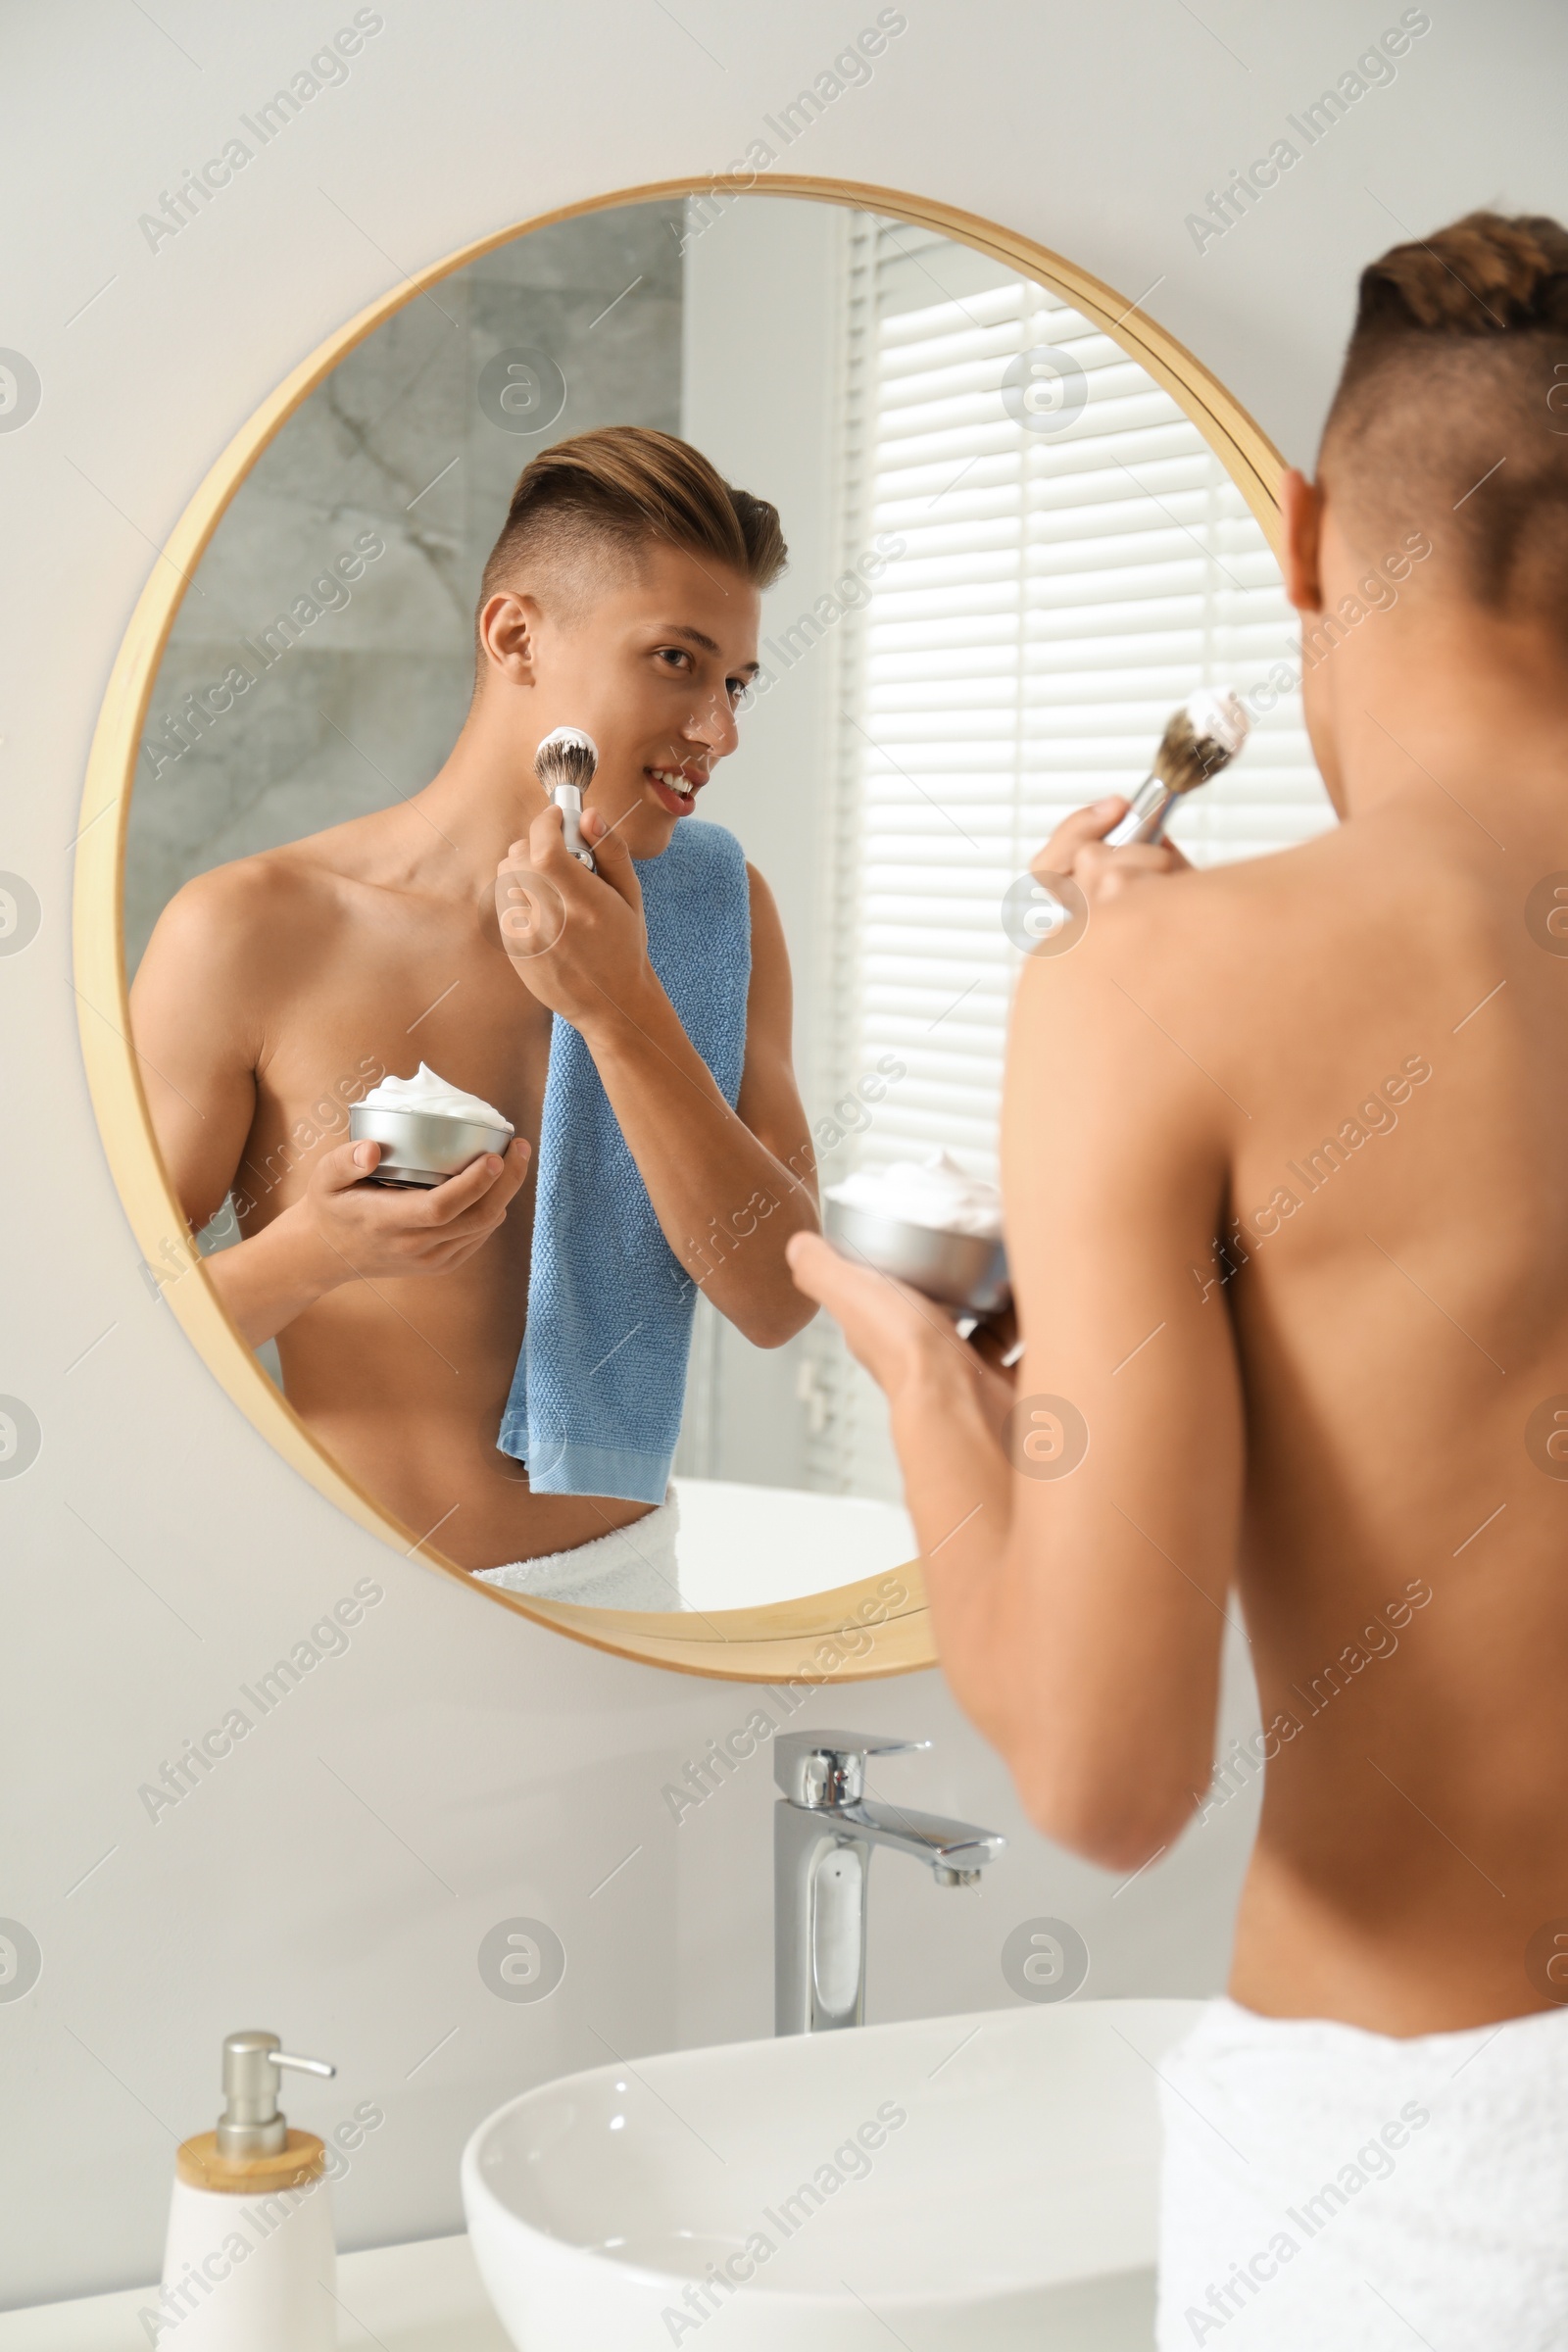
420 2298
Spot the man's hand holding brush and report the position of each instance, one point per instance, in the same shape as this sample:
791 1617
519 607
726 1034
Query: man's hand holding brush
1078 847
576 936
1117 842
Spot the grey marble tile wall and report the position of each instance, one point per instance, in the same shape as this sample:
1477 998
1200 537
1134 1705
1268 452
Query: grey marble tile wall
321 664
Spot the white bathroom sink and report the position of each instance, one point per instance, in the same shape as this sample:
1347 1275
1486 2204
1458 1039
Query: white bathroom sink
743 1546
1012 2205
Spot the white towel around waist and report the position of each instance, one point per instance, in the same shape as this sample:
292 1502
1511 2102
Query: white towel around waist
1325 2189
632 1568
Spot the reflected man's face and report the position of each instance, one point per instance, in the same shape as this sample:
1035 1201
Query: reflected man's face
655 669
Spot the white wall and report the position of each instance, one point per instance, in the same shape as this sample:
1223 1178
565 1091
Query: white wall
156 1555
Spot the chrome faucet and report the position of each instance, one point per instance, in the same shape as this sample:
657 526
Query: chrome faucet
825 1830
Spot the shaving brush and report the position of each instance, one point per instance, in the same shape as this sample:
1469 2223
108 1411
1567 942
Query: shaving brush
565 763
1201 738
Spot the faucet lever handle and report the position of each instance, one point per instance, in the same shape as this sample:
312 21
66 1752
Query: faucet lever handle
819 1770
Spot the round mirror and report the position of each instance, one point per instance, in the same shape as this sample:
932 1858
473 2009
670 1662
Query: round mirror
1022 526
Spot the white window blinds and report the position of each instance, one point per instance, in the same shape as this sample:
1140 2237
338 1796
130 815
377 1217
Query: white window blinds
1064 585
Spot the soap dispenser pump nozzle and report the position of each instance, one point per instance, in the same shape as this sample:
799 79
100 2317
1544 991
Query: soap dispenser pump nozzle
252 2123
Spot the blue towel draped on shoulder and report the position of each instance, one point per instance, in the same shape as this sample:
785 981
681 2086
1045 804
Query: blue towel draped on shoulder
597 1397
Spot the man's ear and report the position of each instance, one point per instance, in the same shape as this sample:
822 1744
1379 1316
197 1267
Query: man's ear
1301 513
509 635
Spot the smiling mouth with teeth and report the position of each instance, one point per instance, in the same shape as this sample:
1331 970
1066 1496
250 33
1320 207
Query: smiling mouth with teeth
675 788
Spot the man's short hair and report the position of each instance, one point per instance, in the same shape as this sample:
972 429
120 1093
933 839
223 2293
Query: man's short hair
594 504
1451 414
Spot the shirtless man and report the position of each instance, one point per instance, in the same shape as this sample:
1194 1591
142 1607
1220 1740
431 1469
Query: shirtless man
1286 1173
622 596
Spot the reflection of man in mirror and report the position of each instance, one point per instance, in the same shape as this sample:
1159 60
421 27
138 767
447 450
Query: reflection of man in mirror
1286 1183
642 1028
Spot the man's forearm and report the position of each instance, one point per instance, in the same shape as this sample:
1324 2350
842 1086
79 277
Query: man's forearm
725 1203
1040 1655
958 1490
266 1281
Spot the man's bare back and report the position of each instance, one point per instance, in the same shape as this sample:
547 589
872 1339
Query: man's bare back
1385 1049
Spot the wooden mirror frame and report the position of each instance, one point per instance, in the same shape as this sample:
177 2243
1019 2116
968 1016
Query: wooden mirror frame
880 1625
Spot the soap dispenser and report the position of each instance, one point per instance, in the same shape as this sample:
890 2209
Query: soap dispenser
250 2263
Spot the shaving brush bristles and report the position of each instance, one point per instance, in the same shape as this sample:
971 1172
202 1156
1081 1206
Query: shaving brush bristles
1201 738
566 755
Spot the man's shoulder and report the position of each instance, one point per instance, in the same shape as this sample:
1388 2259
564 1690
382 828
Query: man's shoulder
1215 933
249 908
1373 892
1182 987
1236 979
258 888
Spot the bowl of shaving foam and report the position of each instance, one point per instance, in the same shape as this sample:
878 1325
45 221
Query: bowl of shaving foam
928 1223
427 1130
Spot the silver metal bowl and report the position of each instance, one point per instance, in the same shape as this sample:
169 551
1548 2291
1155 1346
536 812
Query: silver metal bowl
962 1270
423 1147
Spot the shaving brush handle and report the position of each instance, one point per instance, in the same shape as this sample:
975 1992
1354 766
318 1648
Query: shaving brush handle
1145 821
569 800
